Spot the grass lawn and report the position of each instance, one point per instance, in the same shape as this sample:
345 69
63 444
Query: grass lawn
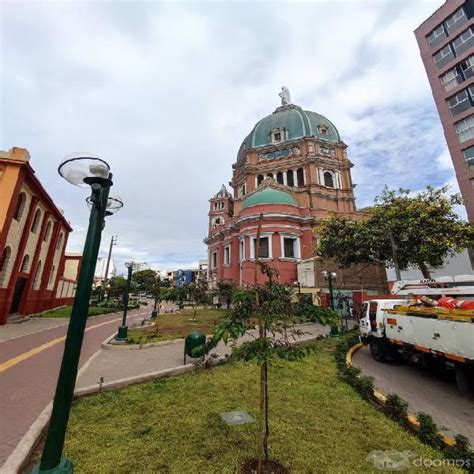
65 312
318 423
176 325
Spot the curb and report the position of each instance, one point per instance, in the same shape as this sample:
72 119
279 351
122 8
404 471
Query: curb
107 346
382 398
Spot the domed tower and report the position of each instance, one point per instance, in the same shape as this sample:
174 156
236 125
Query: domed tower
302 151
221 207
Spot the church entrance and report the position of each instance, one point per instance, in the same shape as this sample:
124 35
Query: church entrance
17 294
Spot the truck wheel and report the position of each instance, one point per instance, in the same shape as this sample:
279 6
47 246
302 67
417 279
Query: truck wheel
464 380
377 349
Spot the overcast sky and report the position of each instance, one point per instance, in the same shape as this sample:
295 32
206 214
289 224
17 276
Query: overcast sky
166 92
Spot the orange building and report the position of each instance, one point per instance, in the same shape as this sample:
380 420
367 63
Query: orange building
35 273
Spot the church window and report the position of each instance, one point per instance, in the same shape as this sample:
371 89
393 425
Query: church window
37 279
242 250
4 262
290 245
259 179
48 232
51 275
265 248
36 221
280 177
289 178
323 130
243 189
60 241
227 255
25 265
278 135
300 177
270 175
20 206
214 259
328 179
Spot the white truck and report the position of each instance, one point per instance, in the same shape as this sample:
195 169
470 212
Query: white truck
435 337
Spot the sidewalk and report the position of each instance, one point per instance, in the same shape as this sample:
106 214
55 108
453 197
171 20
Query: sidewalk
119 364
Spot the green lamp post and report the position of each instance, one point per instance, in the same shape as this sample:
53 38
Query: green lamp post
82 170
330 277
122 333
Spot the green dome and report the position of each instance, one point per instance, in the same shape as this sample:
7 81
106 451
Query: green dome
297 123
269 196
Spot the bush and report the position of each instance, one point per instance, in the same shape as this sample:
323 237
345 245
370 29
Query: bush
396 408
428 431
461 451
365 386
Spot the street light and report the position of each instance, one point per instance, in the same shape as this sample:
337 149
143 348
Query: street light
122 333
83 170
330 277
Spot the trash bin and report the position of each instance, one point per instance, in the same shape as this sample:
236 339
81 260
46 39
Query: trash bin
192 342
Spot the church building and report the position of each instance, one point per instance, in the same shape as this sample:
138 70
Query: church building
292 169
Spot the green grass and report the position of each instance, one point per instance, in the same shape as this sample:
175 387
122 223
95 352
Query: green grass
65 312
176 325
318 423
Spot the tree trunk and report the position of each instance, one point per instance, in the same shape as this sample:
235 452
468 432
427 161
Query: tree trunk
424 270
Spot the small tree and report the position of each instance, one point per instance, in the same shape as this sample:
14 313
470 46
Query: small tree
198 293
404 229
145 280
116 287
274 306
225 291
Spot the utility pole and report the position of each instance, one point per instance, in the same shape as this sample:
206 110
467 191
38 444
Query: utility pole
398 275
113 241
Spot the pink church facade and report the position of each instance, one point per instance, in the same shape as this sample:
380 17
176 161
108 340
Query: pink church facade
292 170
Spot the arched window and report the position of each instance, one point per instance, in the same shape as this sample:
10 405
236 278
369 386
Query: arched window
259 179
51 275
280 177
37 280
328 179
20 206
25 265
300 177
48 231
290 178
36 221
7 251
270 175
60 241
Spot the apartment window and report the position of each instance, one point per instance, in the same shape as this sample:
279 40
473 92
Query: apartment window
463 42
456 20
214 259
467 67
465 129
459 102
450 79
436 36
20 206
469 155
227 255
443 57
290 245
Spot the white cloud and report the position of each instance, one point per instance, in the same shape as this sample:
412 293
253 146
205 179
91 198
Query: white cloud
166 92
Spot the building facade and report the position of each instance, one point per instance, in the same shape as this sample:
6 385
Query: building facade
35 273
292 170
446 42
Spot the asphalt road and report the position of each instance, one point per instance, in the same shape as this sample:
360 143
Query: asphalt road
435 394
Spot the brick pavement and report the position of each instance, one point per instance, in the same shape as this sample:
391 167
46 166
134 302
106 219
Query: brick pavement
26 388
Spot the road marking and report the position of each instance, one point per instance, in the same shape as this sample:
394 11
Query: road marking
26 355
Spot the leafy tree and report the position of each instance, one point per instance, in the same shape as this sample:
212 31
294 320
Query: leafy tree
401 228
198 292
117 286
225 291
146 280
175 294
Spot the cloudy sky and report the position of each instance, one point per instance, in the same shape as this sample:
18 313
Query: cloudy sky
166 92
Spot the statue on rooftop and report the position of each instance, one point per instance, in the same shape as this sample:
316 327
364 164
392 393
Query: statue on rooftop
285 96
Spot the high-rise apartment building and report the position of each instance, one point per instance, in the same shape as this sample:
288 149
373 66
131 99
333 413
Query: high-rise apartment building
446 42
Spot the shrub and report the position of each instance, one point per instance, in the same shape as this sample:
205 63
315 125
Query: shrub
365 386
396 408
461 451
428 431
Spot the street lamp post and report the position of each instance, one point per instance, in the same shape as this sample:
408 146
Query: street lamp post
80 170
330 277
122 333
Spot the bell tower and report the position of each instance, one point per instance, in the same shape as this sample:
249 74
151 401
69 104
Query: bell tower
221 209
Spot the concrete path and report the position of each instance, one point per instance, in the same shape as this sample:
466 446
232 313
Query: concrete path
118 364
424 391
29 366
